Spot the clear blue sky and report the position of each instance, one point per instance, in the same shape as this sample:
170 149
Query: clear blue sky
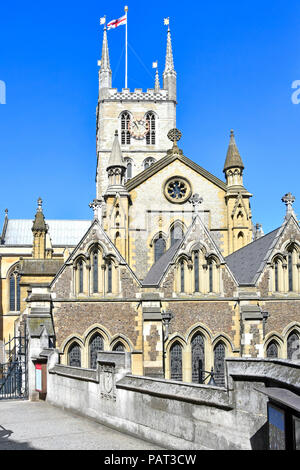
235 64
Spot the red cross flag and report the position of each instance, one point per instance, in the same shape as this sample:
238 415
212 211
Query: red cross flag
115 23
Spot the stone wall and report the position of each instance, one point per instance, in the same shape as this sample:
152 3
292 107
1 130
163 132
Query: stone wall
179 415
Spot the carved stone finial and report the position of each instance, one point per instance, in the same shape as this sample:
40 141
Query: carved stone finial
289 200
40 202
174 135
6 212
96 205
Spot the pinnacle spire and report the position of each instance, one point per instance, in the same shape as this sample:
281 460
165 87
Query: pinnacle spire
157 85
116 158
105 64
39 224
233 158
169 66
105 70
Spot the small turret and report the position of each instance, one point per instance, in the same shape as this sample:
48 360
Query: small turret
39 230
116 169
289 200
233 167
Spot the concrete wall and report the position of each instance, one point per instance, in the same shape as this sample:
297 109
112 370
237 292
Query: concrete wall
173 414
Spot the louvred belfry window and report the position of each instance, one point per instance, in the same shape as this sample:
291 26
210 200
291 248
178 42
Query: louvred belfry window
150 136
125 134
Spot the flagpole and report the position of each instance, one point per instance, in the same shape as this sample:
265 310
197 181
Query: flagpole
126 10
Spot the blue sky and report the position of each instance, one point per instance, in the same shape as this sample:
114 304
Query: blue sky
235 64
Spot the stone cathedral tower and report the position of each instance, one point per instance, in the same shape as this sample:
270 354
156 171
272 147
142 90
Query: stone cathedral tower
142 119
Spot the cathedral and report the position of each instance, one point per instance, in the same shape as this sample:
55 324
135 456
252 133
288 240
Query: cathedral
170 269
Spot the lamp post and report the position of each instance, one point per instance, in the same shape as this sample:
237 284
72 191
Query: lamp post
166 318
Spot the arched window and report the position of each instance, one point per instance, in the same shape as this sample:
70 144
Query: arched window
74 355
159 247
198 358
109 276
128 173
240 240
210 276
80 276
276 275
96 344
176 361
125 134
150 136
176 233
95 271
196 272
119 347
148 162
14 292
219 364
272 349
182 276
290 269
293 346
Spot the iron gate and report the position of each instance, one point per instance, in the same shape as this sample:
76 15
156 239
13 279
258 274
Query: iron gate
13 368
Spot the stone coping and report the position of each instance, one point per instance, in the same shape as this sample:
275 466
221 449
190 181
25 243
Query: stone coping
188 392
78 373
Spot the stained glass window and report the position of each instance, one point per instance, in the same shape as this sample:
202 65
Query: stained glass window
198 359
96 344
74 355
159 247
176 361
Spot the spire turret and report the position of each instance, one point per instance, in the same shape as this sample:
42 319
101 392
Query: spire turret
105 70
169 75
116 169
157 85
39 230
233 167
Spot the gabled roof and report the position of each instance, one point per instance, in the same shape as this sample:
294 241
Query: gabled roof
165 161
62 232
247 263
158 269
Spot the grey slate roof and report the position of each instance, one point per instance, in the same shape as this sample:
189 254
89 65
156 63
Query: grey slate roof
246 262
157 270
62 232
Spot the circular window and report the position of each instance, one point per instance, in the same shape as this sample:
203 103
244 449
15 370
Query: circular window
177 189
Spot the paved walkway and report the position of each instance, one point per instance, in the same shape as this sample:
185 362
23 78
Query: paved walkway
37 425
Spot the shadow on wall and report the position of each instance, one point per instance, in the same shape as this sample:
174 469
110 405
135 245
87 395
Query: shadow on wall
9 444
259 440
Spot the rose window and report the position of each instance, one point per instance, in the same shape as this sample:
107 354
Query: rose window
177 190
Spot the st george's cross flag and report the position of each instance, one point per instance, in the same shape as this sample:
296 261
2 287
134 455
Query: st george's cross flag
115 23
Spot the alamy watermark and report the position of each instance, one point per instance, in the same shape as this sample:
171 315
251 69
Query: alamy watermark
296 94
2 92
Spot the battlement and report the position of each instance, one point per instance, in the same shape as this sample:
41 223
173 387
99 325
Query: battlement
137 95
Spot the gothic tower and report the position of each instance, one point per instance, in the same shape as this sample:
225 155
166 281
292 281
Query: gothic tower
143 119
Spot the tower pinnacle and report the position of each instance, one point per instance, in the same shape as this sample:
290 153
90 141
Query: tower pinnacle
169 75
105 70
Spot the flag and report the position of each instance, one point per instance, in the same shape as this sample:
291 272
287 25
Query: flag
154 65
166 21
115 23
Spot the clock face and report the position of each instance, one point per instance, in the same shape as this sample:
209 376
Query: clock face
138 128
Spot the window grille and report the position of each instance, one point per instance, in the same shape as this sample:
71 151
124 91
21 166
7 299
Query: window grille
150 136
198 358
196 270
176 362
272 349
219 364
95 272
14 292
109 277
148 162
125 134
96 344
74 355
